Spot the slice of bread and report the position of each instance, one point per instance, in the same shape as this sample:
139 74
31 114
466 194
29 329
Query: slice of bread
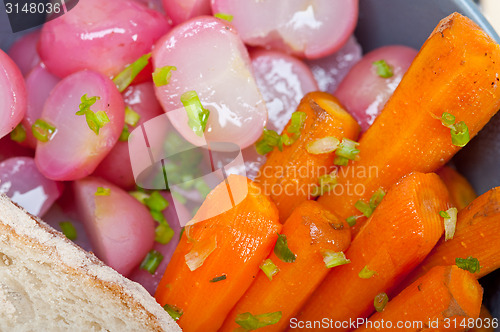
47 283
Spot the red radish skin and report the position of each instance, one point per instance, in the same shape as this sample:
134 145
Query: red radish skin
12 95
182 10
120 228
9 149
329 71
39 84
310 29
23 52
283 80
363 92
236 116
103 36
75 150
25 185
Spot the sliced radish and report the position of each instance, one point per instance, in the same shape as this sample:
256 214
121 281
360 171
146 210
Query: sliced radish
153 4
329 71
363 92
211 60
23 52
283 80
39 84
183 10
120 228
74 151
12 95
25 185
116 166
305 28
9 149
100 35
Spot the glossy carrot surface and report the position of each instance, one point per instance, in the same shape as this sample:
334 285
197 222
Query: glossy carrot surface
461 191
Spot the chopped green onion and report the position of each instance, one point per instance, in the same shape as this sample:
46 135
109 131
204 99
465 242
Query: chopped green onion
351 221
271 139
296 122
326 183
156 202
347 149
460 134
42 130
163 233
323 145
470 264
376 198
101 191
250 322
367 209
332 258
140 196
380 301
282 251
86 102
219 278
18 134
384 70
173 311
364 208
269 268
131 117
161 76
158 216
125 134
68 230
340 161
197 114
450 222
267 142
226 17
366 273
126 76
151 261
96 120
447 119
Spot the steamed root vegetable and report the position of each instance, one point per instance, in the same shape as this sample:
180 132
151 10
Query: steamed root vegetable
101 36
23 183
219 255
116 166
396 238
74 150
292 175
23 52
121 229
371 82
444 299
461 191
484 318
13 95
225 65
310 29
283 80
182 10
407 136
311 231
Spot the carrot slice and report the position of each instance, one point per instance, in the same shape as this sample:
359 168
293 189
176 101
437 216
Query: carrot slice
461 191
442 300
484 323
456 72
290 176
397 237
229 245
310 230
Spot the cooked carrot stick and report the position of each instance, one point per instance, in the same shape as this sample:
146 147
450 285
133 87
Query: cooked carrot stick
461 191
455 72
484 323
310 230
290 176
236 241
442 300
477 235
397 237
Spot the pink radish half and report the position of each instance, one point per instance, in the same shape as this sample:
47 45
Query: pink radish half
23 52
75 150
120 228
363 92
100 35
283 80
183 10
25 185
305 28
12 95
211 60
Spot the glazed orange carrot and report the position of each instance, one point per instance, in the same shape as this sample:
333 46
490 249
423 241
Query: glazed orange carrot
484 322
290 176
454 72
444 299
310 230
229 245
461 191
477 235
397 237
